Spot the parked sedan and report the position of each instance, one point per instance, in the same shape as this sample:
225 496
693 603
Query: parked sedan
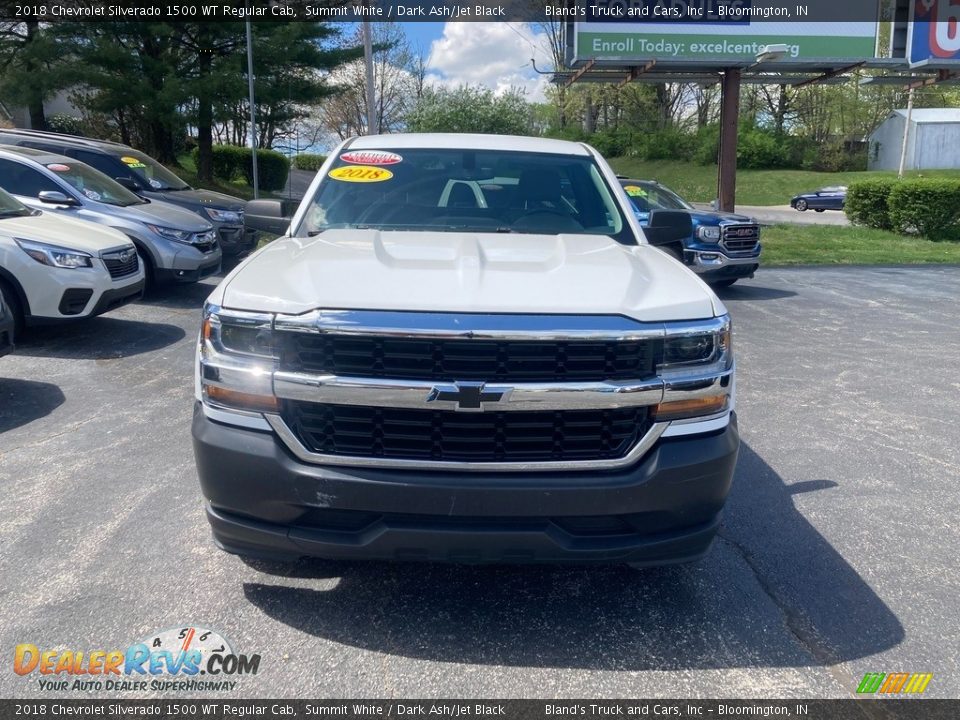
828 198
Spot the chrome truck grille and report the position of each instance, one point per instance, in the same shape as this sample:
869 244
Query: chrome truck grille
740 238
470 392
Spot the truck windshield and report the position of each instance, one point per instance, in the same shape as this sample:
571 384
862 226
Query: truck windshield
466 190
647 196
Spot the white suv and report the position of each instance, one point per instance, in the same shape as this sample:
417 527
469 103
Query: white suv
54 268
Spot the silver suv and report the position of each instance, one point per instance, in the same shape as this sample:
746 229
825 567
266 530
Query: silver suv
176 245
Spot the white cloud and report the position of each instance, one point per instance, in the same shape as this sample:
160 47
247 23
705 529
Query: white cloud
494 54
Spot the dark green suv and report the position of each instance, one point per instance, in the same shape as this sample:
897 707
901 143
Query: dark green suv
148 178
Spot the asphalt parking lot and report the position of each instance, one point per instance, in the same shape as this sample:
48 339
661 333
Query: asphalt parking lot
837 556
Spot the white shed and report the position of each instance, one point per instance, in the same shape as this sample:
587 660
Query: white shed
934 140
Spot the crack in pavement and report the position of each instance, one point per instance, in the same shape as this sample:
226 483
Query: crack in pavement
47 439
798 625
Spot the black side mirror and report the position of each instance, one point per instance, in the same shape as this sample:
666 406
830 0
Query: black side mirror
130 184
268 215
667 227
55 197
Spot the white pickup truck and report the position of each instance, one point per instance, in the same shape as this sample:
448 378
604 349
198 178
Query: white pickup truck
465 349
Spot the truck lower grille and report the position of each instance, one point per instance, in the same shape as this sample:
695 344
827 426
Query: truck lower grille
432 435
467 359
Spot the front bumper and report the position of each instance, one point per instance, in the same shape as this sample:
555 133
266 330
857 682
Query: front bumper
75 297
236 239
263 502
716 265
193 272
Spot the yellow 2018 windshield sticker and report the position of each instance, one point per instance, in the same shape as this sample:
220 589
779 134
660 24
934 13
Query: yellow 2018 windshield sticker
635 191
360 173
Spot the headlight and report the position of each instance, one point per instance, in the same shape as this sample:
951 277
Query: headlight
237 360
54 255
171 233
697 369
224 216
708 233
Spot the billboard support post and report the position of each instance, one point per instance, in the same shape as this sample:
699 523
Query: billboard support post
729 116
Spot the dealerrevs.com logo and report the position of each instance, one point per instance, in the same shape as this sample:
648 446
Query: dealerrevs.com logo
178 659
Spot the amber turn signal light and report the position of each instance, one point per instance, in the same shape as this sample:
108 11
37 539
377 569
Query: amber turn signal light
242 400
693 407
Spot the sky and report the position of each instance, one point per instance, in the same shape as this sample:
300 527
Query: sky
494 54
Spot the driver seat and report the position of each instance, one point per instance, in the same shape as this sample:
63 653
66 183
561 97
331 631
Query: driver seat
539 189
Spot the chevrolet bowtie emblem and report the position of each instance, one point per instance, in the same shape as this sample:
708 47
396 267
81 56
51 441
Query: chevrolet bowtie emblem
469 396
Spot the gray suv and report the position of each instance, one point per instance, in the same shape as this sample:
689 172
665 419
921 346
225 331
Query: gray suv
175 244
146 177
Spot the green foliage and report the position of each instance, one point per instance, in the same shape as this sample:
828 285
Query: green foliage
272 169
471 109
867 203
232 162
309 161
930 208
67 124
833 245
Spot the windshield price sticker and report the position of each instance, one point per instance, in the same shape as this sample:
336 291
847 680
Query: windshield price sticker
634 190
371 157
360 173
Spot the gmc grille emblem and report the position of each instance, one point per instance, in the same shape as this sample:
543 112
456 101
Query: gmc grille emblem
469 396
741 232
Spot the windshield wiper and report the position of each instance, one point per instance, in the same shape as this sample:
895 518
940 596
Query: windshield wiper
15 213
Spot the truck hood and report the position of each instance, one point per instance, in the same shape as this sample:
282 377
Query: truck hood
466 272
66 232
708 217
158 212
196 199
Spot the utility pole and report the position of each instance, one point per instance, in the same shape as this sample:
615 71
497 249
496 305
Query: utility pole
906 134
253 112
372 125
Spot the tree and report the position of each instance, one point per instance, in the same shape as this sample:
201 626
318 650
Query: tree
399 76
473 109
30 60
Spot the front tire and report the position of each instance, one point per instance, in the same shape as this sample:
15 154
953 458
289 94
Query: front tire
819 209
802 205
672 251
12 302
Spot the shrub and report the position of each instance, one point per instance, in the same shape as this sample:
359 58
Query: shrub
930 208
868 203
706 145
232 162
67 124
609 143
272 169
309 161
668 144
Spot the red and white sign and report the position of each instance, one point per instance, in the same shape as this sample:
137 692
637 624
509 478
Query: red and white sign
371 157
